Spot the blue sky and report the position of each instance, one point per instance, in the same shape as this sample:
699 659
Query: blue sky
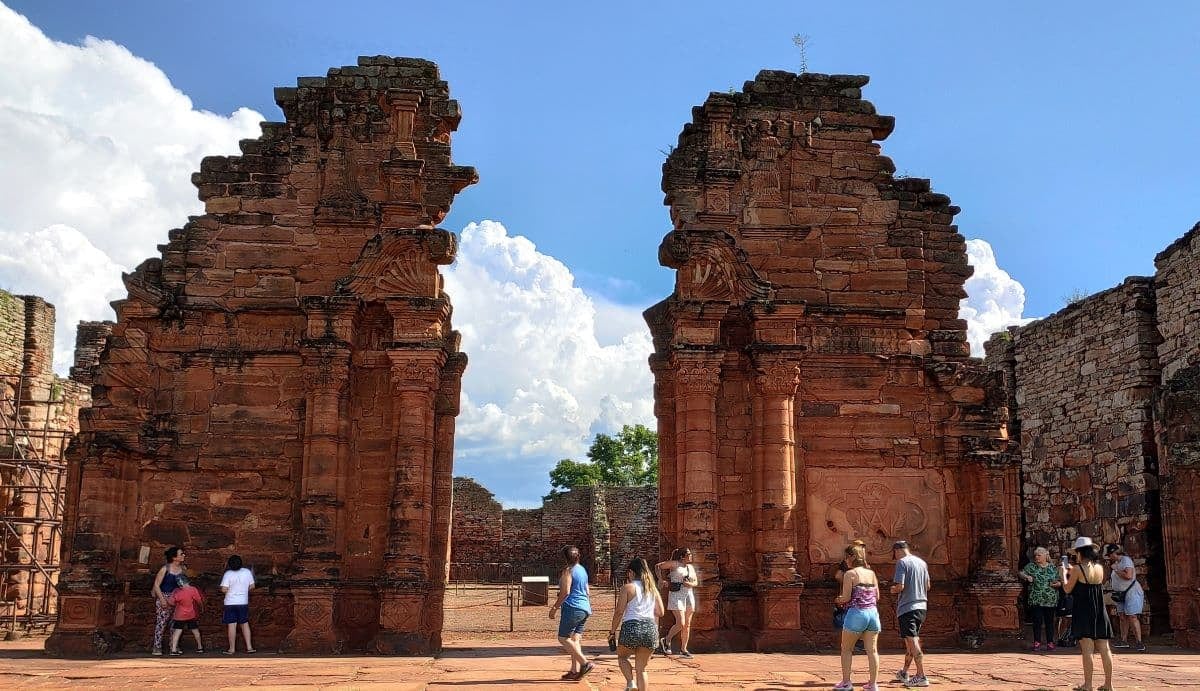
1066 132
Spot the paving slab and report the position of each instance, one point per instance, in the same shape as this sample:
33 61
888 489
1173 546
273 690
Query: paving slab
537 665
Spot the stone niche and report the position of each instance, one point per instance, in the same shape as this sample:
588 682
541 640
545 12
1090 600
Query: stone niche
813 382
282 384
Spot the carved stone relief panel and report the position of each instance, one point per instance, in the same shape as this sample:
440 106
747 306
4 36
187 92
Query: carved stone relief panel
877 506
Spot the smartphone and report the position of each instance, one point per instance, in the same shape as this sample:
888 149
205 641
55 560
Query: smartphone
1065 560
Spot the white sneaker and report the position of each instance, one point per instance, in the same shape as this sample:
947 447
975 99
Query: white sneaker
901 676
915 681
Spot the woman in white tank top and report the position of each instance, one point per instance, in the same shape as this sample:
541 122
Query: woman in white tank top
682 580
636 614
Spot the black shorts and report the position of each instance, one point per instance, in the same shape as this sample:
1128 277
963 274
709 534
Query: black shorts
910 623
190 625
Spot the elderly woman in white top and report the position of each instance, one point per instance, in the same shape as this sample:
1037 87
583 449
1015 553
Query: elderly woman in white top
682 580
636 613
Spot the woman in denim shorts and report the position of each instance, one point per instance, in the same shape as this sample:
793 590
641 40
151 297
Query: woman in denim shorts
860 592
637 611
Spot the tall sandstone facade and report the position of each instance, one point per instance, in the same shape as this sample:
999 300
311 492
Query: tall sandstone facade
812 376
1104 400
283 382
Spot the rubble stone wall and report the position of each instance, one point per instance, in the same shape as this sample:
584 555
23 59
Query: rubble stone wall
1084 382
1177 427
610 525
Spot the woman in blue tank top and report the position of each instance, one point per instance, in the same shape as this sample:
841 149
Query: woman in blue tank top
165 583
575 601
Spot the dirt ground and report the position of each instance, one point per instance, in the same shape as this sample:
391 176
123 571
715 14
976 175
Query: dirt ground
481 612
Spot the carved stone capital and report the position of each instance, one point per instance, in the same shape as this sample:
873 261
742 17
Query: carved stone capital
777 377
416 371
694 375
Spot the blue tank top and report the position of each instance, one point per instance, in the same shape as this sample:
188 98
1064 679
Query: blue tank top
170 582
577 596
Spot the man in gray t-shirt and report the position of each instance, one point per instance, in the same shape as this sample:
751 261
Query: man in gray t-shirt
911 585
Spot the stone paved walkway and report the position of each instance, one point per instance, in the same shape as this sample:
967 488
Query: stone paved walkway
534 665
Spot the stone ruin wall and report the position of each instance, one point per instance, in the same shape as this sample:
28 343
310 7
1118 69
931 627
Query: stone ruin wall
1103 400
282 383
1177 428
812 375
610 525
39 416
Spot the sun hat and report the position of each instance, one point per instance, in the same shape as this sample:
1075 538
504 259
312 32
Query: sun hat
1082 541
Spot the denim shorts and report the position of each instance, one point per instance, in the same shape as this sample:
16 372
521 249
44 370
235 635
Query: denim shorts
571 620
862 620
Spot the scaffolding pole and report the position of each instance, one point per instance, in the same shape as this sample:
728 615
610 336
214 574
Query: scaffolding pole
32 501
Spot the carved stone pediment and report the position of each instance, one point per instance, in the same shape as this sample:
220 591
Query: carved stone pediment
710 268
400 263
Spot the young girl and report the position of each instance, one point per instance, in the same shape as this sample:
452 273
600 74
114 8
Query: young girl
237 583
860 592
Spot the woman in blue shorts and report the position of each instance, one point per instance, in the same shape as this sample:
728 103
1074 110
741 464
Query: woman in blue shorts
860 593
574 599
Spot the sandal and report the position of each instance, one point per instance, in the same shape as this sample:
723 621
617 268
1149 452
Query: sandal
227 652
251 651
585 669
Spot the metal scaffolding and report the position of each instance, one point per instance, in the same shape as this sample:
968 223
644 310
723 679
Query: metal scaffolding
32 500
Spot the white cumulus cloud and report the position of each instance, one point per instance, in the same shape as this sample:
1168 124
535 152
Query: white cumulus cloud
995 300
97 149
550 365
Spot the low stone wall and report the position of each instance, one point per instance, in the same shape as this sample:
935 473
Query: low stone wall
610 525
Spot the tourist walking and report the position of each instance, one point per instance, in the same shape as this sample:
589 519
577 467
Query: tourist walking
574 599
636 615
236 583
1089 621
165 583
1043 579
1127 595
911 584
839 610
187 601
682 580
860 595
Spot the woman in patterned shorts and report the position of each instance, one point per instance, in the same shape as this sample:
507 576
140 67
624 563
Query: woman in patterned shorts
636 613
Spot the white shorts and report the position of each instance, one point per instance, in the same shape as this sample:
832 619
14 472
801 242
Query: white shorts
1135 600
682 600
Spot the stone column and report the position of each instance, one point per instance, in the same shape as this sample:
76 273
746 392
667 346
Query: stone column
415 378
995 509
445 411
322 481
697 380
775 485
664 411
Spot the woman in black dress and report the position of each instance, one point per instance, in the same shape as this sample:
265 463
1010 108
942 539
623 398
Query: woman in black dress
1089 620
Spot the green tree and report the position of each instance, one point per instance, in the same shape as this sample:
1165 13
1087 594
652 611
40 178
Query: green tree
628 458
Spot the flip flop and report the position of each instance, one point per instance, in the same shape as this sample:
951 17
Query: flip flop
252 651
227 652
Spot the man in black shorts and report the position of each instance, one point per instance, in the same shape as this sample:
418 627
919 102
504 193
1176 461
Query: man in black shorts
911 584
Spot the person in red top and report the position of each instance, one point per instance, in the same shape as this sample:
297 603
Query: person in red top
187 601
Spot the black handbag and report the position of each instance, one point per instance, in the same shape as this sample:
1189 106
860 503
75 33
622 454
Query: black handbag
675 587
1119 596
